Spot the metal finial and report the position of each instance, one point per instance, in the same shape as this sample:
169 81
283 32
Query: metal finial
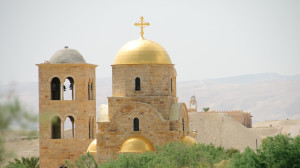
142 25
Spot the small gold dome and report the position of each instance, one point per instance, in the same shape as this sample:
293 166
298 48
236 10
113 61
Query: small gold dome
137 144
92 147
142 52
188 140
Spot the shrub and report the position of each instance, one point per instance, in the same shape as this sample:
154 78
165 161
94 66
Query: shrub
170 155
279 151
32 162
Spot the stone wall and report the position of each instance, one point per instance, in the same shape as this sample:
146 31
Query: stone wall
161 103
243 117
153 127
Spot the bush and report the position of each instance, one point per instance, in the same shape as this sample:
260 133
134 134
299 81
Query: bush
279 151
170 155
32 162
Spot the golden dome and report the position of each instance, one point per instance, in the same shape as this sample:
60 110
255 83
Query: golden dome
136 144
188 140
142 52
92 147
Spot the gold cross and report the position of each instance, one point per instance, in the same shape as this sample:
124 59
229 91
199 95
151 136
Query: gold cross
142 25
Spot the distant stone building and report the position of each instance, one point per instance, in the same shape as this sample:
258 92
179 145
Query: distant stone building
244 118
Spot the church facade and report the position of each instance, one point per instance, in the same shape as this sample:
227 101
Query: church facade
142 112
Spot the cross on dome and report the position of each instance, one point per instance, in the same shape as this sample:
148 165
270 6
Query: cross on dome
142 25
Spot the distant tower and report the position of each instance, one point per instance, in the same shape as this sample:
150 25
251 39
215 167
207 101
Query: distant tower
193 105
66 95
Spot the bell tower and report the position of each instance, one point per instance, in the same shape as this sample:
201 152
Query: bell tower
67 107
193 105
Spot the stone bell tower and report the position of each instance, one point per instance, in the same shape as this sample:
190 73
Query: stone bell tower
193 105
67 107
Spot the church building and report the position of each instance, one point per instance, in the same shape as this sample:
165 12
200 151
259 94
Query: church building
142 112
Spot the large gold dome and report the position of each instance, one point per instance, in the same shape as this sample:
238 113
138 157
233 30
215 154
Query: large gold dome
142 52
137 144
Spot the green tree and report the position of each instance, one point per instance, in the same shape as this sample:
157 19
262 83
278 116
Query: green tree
280 151
205 109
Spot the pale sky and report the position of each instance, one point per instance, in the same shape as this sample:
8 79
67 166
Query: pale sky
205 39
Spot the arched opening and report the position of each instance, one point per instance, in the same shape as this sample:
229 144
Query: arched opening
91 128
91 90
182 124
69 128
137 84
55 89
69 89
136 124
55 128
171 85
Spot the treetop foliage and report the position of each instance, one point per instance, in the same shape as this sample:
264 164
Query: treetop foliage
281 151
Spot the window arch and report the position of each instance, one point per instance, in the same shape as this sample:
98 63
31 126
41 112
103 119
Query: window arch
69 89
55 128
91 89
55 89
137 84
136 124
69 128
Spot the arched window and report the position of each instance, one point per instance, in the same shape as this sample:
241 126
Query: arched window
136 124
55 128
69 128
90 89
171 85
91 128
55 89
182 124
69 89
137 84
89 92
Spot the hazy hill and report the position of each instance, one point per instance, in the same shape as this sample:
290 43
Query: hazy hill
266 96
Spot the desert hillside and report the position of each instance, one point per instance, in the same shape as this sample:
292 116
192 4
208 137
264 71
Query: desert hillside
266 96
